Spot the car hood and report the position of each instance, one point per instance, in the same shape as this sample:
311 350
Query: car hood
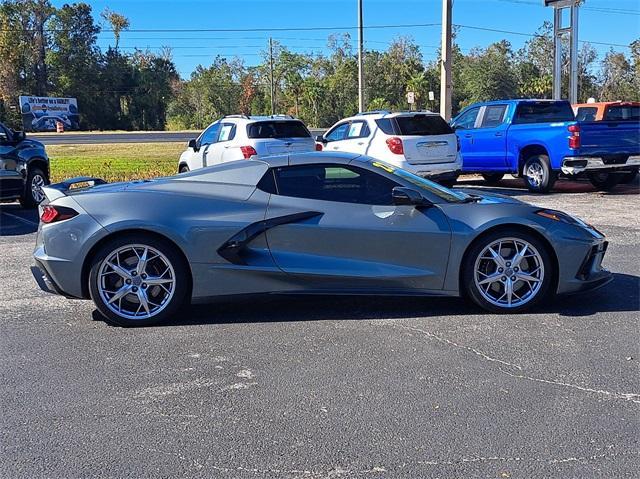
489 198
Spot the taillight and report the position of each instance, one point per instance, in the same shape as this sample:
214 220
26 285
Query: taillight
248 151
574 139
319 147
53 214
395 145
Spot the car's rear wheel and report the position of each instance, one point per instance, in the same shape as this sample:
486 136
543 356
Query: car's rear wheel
138 280
33 194
492 178
603 180
538 175
507 271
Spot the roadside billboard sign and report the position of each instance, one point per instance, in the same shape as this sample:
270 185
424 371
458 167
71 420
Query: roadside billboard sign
43 113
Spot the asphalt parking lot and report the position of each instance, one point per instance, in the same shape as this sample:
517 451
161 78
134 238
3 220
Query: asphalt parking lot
294 387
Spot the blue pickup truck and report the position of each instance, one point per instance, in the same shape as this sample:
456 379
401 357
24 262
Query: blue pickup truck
540 140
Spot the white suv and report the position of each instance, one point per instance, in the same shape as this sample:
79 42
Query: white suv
418 141
237 137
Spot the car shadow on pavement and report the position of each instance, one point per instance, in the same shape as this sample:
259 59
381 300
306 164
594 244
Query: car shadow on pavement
17 221
516 187
622 294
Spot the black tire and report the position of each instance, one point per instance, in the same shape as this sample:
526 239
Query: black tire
181 277
492 178
538 175
29 199
183 169
471 290
629 177
604 181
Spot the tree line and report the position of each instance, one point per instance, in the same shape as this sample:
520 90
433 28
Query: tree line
48 51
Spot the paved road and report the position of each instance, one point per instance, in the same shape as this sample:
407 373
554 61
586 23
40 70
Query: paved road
327 387
70 138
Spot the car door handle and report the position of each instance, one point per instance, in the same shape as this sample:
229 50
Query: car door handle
468 136
361 143
499 133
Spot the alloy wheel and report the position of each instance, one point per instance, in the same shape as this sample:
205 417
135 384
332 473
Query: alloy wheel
535 174
37 182
509 272
136 281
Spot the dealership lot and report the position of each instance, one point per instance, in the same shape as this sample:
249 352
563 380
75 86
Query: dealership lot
328 387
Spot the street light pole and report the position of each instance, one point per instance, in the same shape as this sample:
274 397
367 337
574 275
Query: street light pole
360 59
446 87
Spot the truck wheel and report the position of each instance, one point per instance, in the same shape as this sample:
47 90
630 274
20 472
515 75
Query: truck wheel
604 181
538 175
626 178
33 194
492 178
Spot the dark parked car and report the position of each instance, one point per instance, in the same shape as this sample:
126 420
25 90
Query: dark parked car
24 168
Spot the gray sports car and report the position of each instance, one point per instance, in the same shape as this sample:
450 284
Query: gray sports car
307 223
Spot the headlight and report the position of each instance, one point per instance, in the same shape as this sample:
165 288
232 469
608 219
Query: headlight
563 218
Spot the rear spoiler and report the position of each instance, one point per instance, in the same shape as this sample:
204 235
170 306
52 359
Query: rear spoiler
58 190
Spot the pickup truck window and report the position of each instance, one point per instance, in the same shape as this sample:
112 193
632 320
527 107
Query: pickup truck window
467 120
423 125
622 113
587 113
493 116
543 112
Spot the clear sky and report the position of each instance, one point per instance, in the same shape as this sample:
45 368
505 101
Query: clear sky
605 21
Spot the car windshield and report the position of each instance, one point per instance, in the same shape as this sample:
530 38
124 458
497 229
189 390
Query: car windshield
278 129
440 191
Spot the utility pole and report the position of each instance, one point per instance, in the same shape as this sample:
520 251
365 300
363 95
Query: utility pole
446 87
360 58
273 92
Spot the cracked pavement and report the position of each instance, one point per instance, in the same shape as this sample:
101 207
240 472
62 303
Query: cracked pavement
328 387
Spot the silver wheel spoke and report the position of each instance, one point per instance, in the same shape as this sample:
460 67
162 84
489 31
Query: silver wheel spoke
490 279
508 287
142 262
144 302
121 293
497 258
120 270
153 280
527 277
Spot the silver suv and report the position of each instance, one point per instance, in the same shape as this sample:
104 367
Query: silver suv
237 137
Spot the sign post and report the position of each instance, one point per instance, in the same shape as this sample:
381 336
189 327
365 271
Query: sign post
559 31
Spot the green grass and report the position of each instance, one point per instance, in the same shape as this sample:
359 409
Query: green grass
114 162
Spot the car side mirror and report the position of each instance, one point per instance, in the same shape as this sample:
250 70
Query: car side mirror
407 196
321 139
193 144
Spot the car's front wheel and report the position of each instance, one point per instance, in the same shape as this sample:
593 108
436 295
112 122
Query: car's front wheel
138 280
507 271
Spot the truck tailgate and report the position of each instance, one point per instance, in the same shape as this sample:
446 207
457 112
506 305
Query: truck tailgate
609 138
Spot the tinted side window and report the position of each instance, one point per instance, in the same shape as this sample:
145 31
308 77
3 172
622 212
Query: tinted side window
334 183
358 129
423 125
278 129
543 112
623 113
585 113
337 133
386 126
467 120
493 116
210 135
